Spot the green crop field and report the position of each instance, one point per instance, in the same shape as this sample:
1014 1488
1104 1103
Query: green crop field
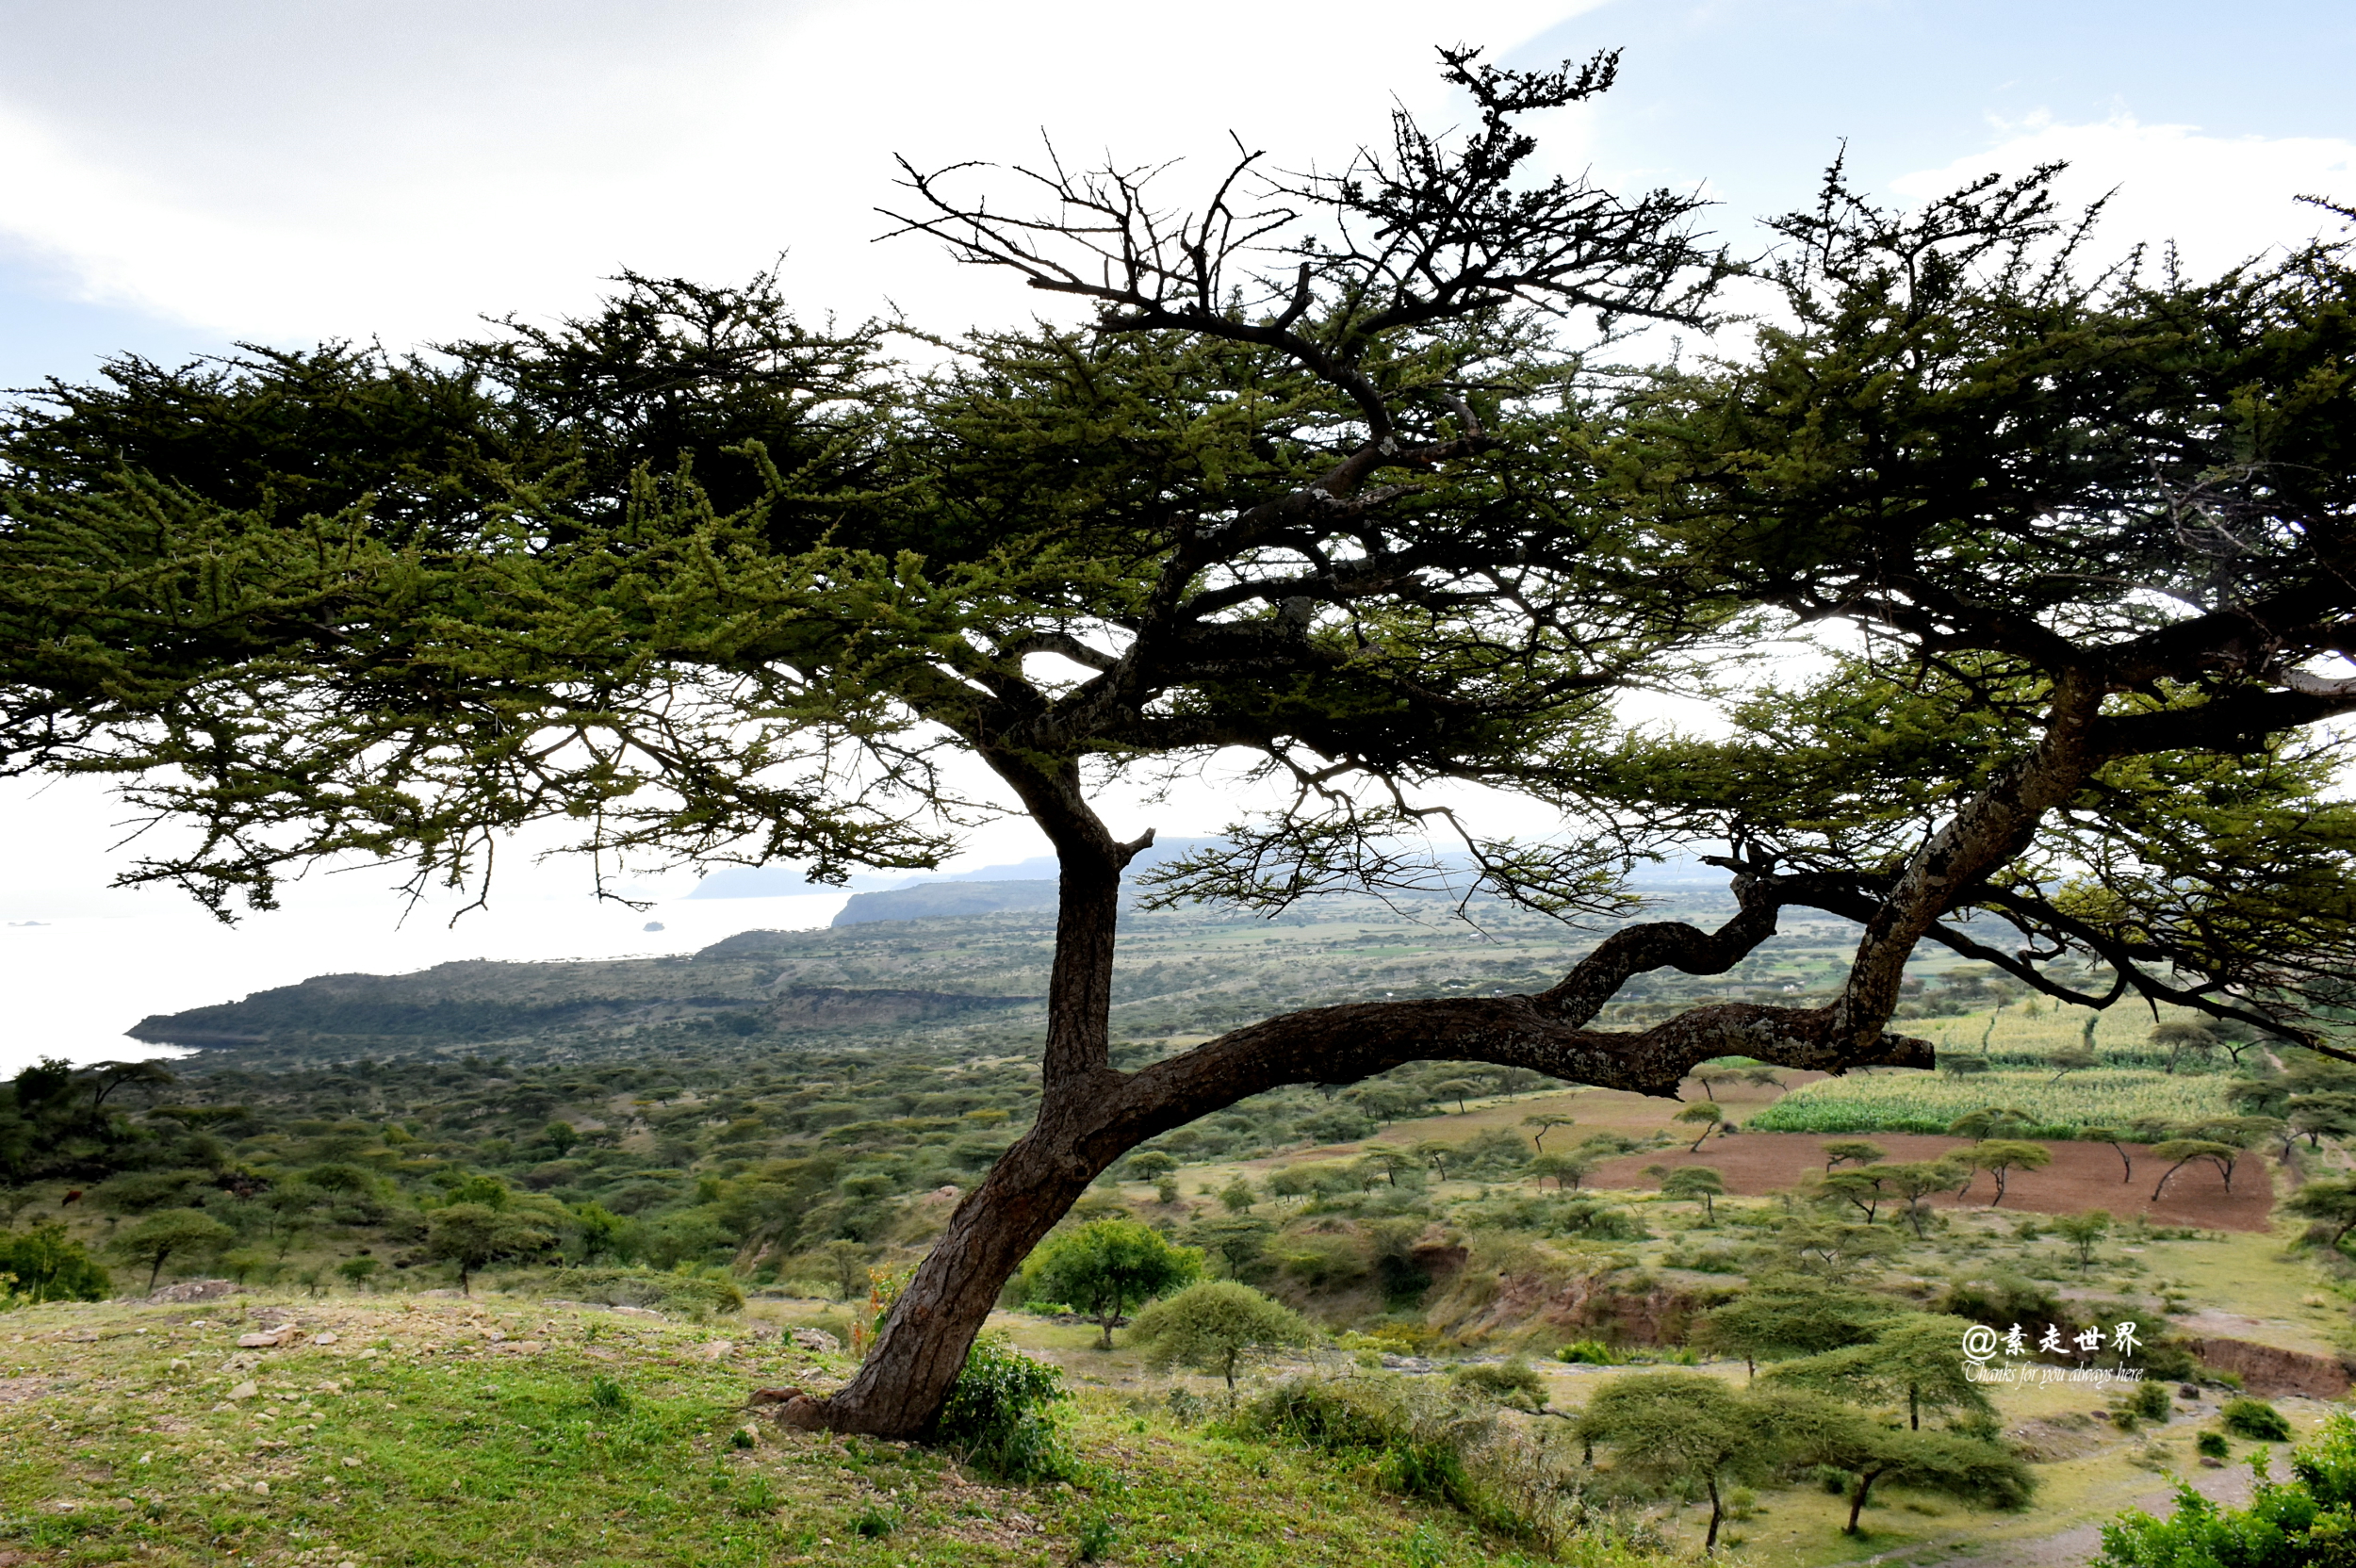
1923 1102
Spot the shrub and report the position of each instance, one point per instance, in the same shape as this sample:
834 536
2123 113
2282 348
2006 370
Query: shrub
1000 1416
1588 1352
45 1265
2305 1522
1513 1382
2150 1402
2254 1419
1215 1326
2213 1445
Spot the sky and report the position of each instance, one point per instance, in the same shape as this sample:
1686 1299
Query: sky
175 179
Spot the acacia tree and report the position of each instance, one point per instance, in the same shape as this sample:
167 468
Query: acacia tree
1328 480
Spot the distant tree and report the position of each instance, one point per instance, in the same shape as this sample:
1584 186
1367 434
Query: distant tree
601 1231
2316 1117
1916 1180
2000 1157
1568 1171
356 1272
2331 1200
1216 1325
1991 1121
1545 1122
2178 1036
1833 1250
1437 1154
1779 1319
847 1260
1150 1165
1456 1089
1864 1188
1708 1116
1238 1240
1107 1266
1762 1076
562 1136
2067 1060
2181 1152
1968 1469
2119 1139
1695 1184
1236 1197
2085 1232
1710 1078
1915 1358
470 1235
168 1233
1955 1064
1850 1153
1681 1426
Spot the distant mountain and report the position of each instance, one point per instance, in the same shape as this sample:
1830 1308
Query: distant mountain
1027 886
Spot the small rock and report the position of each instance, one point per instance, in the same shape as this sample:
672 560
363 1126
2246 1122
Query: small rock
261 1488
496 1335
268 1337
244 1391
520 1348
352 1461
817 1341
368 1354
715 1349
196 1290
640 1312
323 1339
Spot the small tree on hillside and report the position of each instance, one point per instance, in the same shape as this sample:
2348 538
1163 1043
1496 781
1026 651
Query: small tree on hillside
1458 1089
1696 1184
1781 1319
1107 1266
2069 1059
1850 1152
2181 1152
1150 1165
1913 1181
1216 1325
1916 1358
173 1232
1964 1468
1864 1188
1542 1123
1708 1116
1568 1171
846 1261
1991 1121
1671 1428
2177 1037
2000 1157
2331 1202
2085 1232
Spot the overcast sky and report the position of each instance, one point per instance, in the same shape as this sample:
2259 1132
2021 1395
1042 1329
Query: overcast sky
177 177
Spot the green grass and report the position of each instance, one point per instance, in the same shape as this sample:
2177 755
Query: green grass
1923 1102
126 1447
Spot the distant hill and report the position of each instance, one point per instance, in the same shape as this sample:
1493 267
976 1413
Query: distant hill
1027 886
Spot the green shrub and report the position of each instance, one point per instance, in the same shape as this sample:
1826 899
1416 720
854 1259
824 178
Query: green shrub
2306 1522
607 1394
44 1264
2254 1419
1513 1382
2152 1401
2213 1445
1000 1416
1588 1352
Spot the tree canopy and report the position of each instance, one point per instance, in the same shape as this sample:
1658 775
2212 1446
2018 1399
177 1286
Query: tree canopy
1341 477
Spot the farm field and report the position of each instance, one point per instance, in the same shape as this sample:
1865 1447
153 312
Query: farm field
1928 1103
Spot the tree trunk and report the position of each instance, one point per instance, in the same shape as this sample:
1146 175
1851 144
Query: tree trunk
1856 1498
1717 1511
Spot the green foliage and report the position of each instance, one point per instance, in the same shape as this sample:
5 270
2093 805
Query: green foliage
1512 1381
170 1233
2213 1445
1778 1320
2254 1419
1213 1324
1000 1416
2306 1522
1588 1352
1107 1266
1914 1359
44 1264
696 1295
1911 1102
1695 1184
2150 1402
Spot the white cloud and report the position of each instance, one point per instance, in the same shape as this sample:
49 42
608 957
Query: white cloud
2220 198
359 178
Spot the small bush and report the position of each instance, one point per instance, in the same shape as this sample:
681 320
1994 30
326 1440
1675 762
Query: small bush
874 1523
2213 1445
606 1394
1588 1352
2254 1419
1095 1539
999 1415
1514 1383
2152 1401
